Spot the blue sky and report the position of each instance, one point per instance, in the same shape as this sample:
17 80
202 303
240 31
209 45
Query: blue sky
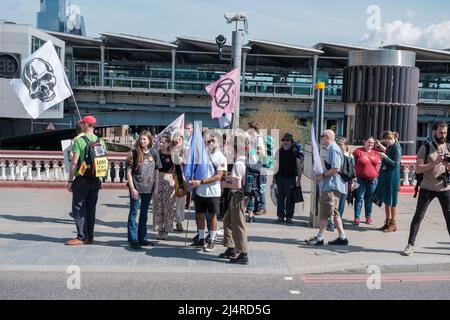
424 23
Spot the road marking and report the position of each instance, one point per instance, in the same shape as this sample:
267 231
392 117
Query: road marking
295 292
363 279
288 278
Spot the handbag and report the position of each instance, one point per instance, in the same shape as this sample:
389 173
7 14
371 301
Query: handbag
297 194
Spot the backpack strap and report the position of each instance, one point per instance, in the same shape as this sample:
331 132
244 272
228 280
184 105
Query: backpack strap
419 177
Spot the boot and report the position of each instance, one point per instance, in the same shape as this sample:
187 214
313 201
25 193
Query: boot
392 226
387 222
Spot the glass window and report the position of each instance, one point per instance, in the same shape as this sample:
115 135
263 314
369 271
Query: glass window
36 43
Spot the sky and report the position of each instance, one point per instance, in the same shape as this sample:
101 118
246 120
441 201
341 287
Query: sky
298 22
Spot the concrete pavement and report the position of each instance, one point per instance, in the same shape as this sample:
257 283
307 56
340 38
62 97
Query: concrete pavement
34 223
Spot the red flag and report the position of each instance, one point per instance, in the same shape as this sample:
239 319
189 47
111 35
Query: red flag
224 93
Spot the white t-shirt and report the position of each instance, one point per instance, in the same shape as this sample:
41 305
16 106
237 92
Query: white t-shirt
211 190
238 170
256 142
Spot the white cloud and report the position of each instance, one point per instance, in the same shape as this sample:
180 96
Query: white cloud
436 36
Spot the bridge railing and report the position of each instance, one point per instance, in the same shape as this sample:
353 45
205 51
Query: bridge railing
49 166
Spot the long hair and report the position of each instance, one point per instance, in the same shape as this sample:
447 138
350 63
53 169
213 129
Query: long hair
166 138
139 150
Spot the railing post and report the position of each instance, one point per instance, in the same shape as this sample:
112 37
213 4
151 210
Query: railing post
55 170
64 174
108 177
29 176
405 181
12 173
20 177
3 171
38 171
47 171
117 170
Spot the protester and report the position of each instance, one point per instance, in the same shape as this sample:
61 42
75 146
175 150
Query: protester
143 166
164 200
289 167
235 238
257 205
367 166
332 188
434 164
83 184
343 144
180 186
389 179
208 192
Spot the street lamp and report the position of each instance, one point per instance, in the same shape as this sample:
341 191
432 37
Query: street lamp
236 53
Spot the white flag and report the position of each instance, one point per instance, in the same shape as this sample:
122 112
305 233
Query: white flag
176 126
317 168
43 83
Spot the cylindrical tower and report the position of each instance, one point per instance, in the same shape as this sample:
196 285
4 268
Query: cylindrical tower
383 87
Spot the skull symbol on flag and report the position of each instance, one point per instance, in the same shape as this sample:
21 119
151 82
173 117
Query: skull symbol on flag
38 76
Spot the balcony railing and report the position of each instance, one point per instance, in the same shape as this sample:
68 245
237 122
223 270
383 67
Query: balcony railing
434 95
48 166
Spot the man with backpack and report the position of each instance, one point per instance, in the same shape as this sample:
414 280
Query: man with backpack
289 167
432 170
89 164
332 187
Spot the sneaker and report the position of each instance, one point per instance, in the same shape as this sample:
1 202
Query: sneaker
356 221
369 220
338 242
228 254
160 235
409 250
194 239
165 236
146 243
242 258
330 226
260 212
248 219
209 247
198 243
314 242
289 221
279 220
220 232
135 246
179 228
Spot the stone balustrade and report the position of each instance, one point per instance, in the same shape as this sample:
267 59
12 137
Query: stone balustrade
49 166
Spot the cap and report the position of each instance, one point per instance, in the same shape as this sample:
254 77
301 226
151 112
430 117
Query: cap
88 120
288 136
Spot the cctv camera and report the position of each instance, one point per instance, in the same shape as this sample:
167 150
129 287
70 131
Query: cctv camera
221 40
235 16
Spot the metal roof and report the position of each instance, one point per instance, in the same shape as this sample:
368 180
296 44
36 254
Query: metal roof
76 39
130 41
205 44
271 47
338 49
422 53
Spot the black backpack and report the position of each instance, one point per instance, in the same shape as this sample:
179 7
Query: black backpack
419 176
95 163
252 173
347 171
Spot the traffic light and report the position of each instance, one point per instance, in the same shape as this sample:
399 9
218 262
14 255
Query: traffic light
10 65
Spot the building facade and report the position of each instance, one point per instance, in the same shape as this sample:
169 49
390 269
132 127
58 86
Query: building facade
52 15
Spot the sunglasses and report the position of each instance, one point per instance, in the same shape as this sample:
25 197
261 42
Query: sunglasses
286 140
323 136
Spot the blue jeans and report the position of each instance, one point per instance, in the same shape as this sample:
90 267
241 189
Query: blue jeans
342 201
261 200
138 233
365 193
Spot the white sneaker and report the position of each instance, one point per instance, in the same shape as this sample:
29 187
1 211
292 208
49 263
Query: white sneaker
220 232
409 250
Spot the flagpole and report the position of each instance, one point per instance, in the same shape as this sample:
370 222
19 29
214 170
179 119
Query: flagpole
76 105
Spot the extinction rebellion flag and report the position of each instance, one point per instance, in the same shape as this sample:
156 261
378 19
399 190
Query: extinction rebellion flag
224 93
43 83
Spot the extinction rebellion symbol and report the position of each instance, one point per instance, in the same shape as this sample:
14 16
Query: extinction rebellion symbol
223 92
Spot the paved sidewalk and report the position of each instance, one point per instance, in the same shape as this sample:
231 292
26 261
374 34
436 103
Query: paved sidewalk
34 223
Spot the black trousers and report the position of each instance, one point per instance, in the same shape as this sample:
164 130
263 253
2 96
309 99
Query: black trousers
425 198
286 204
84 202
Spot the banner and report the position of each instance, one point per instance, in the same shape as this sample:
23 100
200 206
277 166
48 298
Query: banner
43 83
224 93
176 126
317 168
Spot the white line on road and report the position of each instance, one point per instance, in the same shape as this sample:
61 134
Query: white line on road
288 278
295 292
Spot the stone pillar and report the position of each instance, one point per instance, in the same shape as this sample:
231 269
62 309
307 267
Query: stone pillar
3 171
38 171
29 176
20 177
12 174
